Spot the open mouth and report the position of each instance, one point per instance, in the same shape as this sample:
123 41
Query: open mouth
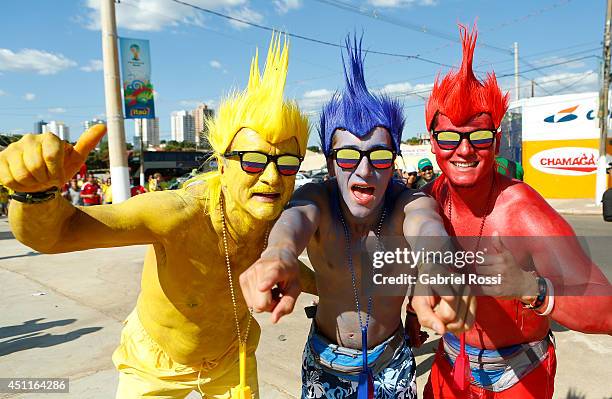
266 197
465 164
362 193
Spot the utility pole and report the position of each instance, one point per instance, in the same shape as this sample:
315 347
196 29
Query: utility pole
112 93
516 72
532 88
601 183
142 176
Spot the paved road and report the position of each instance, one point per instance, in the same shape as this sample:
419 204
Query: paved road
60 316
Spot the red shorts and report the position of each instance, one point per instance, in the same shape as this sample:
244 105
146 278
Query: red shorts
537 384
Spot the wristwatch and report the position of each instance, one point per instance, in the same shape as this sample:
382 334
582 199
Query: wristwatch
542 292
37 197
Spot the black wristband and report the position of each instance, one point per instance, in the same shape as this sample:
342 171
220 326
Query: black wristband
35 198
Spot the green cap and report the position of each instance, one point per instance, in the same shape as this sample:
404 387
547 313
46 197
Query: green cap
424 163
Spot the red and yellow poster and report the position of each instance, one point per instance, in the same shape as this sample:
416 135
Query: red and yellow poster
561 145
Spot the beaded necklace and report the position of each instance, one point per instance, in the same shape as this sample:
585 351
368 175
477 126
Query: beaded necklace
241 391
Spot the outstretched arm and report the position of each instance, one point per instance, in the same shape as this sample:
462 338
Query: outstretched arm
279 265
424 230
39 162
583 294
57 226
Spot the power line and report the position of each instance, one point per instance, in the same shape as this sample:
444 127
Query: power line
404 24
580 77
598 49
302 37
550 65
528 16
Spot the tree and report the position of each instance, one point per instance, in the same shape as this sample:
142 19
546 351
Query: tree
412 141
314 148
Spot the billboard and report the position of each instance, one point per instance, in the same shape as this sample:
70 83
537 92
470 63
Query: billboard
561 144
136 74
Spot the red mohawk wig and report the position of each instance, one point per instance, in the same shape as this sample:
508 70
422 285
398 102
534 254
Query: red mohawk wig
460 95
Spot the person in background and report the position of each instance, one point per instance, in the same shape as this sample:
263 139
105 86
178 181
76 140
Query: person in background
73 193
4 198
410 176
136 189
426 172
509 168
90 191
155 182
107 191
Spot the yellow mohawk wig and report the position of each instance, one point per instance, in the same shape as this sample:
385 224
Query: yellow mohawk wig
259 107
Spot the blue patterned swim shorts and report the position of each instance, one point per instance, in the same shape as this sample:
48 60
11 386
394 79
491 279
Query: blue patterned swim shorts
325 368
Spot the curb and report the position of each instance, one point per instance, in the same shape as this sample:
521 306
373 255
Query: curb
580 212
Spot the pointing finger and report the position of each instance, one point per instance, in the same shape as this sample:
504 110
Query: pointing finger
426 316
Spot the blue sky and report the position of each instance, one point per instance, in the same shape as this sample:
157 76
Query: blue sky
50 55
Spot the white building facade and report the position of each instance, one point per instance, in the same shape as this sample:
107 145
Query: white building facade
57 128
183 126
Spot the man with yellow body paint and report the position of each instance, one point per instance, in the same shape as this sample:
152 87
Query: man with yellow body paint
182 335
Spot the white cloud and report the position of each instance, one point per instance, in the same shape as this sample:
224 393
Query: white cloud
405 89
93 66
29 96
313 100
2 93
216 64
156 15
246 14
284 6
57 110
568 82
401 3
31 60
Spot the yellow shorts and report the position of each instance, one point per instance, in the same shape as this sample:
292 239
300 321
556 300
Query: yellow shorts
146 371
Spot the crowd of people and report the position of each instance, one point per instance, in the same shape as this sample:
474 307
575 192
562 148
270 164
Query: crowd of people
92 190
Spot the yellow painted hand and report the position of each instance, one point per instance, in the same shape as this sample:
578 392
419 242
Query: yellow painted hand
38 162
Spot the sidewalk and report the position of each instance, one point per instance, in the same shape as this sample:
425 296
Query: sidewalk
578 206
61 317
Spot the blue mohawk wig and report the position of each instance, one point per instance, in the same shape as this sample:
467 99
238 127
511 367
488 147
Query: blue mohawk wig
356 109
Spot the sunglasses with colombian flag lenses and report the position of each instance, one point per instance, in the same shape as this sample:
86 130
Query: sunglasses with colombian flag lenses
449 140
349 158
256 162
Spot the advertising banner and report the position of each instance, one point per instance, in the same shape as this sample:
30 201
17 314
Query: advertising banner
136 74
560 144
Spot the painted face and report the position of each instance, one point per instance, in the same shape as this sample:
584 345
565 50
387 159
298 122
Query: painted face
262 195
465 166
362 187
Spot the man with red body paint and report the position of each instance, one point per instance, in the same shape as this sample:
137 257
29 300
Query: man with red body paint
476 201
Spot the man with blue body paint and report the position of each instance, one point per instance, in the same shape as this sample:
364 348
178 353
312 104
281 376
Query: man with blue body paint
360 135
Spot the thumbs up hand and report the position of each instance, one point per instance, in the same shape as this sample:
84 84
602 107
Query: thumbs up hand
38 162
